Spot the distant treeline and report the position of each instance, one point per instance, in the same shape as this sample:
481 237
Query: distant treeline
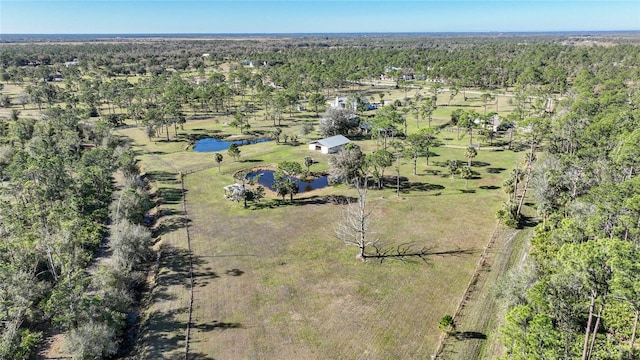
551 61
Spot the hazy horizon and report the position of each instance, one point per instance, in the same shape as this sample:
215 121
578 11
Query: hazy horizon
97 17
416 33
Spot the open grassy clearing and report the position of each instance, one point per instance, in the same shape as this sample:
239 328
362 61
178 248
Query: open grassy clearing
274 282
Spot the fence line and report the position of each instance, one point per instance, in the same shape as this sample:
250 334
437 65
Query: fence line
185 220
474 278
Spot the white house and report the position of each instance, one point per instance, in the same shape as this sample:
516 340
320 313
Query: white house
352 103
329 145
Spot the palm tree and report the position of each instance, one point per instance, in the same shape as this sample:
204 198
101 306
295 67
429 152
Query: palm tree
308 161
470 154
466 174
234 151
218 159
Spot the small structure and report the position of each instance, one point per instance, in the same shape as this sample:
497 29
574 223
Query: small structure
56 76
329 145
233 191
495 122
340 102
365 128
353 103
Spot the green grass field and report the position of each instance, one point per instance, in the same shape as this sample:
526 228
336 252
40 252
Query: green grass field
273 282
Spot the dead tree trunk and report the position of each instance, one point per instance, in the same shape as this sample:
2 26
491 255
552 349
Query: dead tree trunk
354 227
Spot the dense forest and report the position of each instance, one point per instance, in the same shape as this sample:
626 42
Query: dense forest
68 185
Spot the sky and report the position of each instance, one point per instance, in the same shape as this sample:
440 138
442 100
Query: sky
313 16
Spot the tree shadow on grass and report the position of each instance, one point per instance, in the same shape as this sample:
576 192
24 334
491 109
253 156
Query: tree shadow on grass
202 277
454 252
162 176
311 200
174 267
217 325
407 187
166 212
234 272
307 116
168 195
165 334
475 163
157 152
199 356
469 335
199 134
528 222
492 170
168 225
165 330
408 252
489 187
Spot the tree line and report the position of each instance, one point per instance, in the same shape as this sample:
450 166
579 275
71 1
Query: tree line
57 213
577 296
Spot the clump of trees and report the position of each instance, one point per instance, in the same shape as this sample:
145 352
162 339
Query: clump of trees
348 165
579 296
285 179
54 217
338 121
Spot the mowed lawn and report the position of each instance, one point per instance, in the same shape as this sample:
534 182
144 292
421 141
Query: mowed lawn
273 282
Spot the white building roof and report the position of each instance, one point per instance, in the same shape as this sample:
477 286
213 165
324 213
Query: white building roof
333 141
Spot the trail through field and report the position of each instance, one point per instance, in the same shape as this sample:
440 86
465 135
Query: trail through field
480 312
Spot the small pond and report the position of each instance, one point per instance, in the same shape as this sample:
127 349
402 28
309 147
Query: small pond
213 144
266 180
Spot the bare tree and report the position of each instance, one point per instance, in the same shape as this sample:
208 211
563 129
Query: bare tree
355 227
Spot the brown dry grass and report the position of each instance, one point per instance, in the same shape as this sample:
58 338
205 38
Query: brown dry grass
302 293
275 282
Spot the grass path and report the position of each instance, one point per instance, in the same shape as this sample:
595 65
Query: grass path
477 323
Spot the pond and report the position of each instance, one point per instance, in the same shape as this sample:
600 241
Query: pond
213 144
266 180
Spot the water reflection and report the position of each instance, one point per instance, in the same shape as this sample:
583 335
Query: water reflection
213 144
267 179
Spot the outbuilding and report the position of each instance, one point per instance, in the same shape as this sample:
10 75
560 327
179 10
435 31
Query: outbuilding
329 145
